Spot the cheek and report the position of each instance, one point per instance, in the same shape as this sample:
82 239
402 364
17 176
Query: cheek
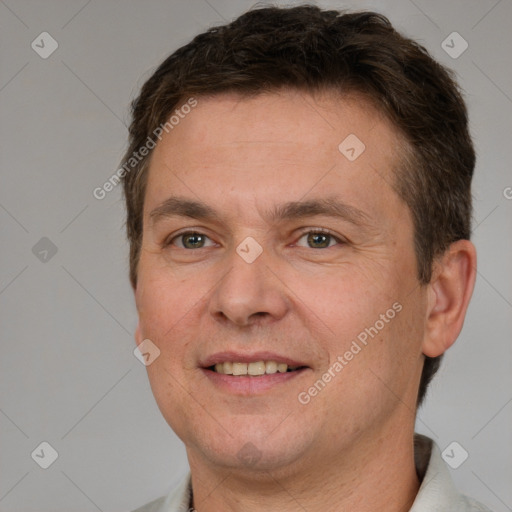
346 299
168 310
164 299
391 359
379 375
370 320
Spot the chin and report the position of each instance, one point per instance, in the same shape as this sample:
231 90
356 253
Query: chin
251 449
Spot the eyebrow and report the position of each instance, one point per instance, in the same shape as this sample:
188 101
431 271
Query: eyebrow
177 206
330 207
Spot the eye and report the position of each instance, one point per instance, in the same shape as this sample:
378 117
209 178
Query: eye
319 239
191 240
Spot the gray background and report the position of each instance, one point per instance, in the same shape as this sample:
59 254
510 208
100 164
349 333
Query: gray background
67 369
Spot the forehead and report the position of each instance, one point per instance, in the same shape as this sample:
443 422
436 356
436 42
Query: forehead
282 145
282 116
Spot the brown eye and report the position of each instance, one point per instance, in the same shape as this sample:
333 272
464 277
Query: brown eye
318 240
193 241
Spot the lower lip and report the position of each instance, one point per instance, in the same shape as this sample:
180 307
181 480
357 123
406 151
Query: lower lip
248 385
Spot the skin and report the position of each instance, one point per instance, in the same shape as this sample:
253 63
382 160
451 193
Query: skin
351 446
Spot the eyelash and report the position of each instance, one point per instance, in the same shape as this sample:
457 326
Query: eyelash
321 231
306 231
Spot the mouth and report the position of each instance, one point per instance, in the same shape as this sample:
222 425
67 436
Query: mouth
253 369
251 374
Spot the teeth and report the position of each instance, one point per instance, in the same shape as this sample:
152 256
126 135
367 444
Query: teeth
239 368
270 367
254 369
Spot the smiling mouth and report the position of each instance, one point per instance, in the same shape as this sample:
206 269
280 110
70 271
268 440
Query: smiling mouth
254 369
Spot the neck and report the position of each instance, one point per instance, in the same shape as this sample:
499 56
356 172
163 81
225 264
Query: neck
373 474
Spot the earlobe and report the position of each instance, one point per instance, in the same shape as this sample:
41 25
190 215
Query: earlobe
449 293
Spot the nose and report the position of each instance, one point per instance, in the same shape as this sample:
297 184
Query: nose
249 293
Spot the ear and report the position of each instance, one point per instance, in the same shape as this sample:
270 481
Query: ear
137 291
449 292
138 335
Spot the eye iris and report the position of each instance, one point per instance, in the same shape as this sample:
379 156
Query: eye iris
318 240
193 240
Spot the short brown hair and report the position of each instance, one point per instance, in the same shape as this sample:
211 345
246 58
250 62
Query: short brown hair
309 49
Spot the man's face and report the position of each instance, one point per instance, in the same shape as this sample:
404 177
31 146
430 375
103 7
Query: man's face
336 281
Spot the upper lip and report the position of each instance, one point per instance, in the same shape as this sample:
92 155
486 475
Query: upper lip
241 357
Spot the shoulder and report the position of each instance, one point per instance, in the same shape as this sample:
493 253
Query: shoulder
470 505
177 500
437 490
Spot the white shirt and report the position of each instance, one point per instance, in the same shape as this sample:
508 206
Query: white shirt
437 492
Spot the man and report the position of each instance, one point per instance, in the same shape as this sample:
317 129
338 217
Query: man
298 198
